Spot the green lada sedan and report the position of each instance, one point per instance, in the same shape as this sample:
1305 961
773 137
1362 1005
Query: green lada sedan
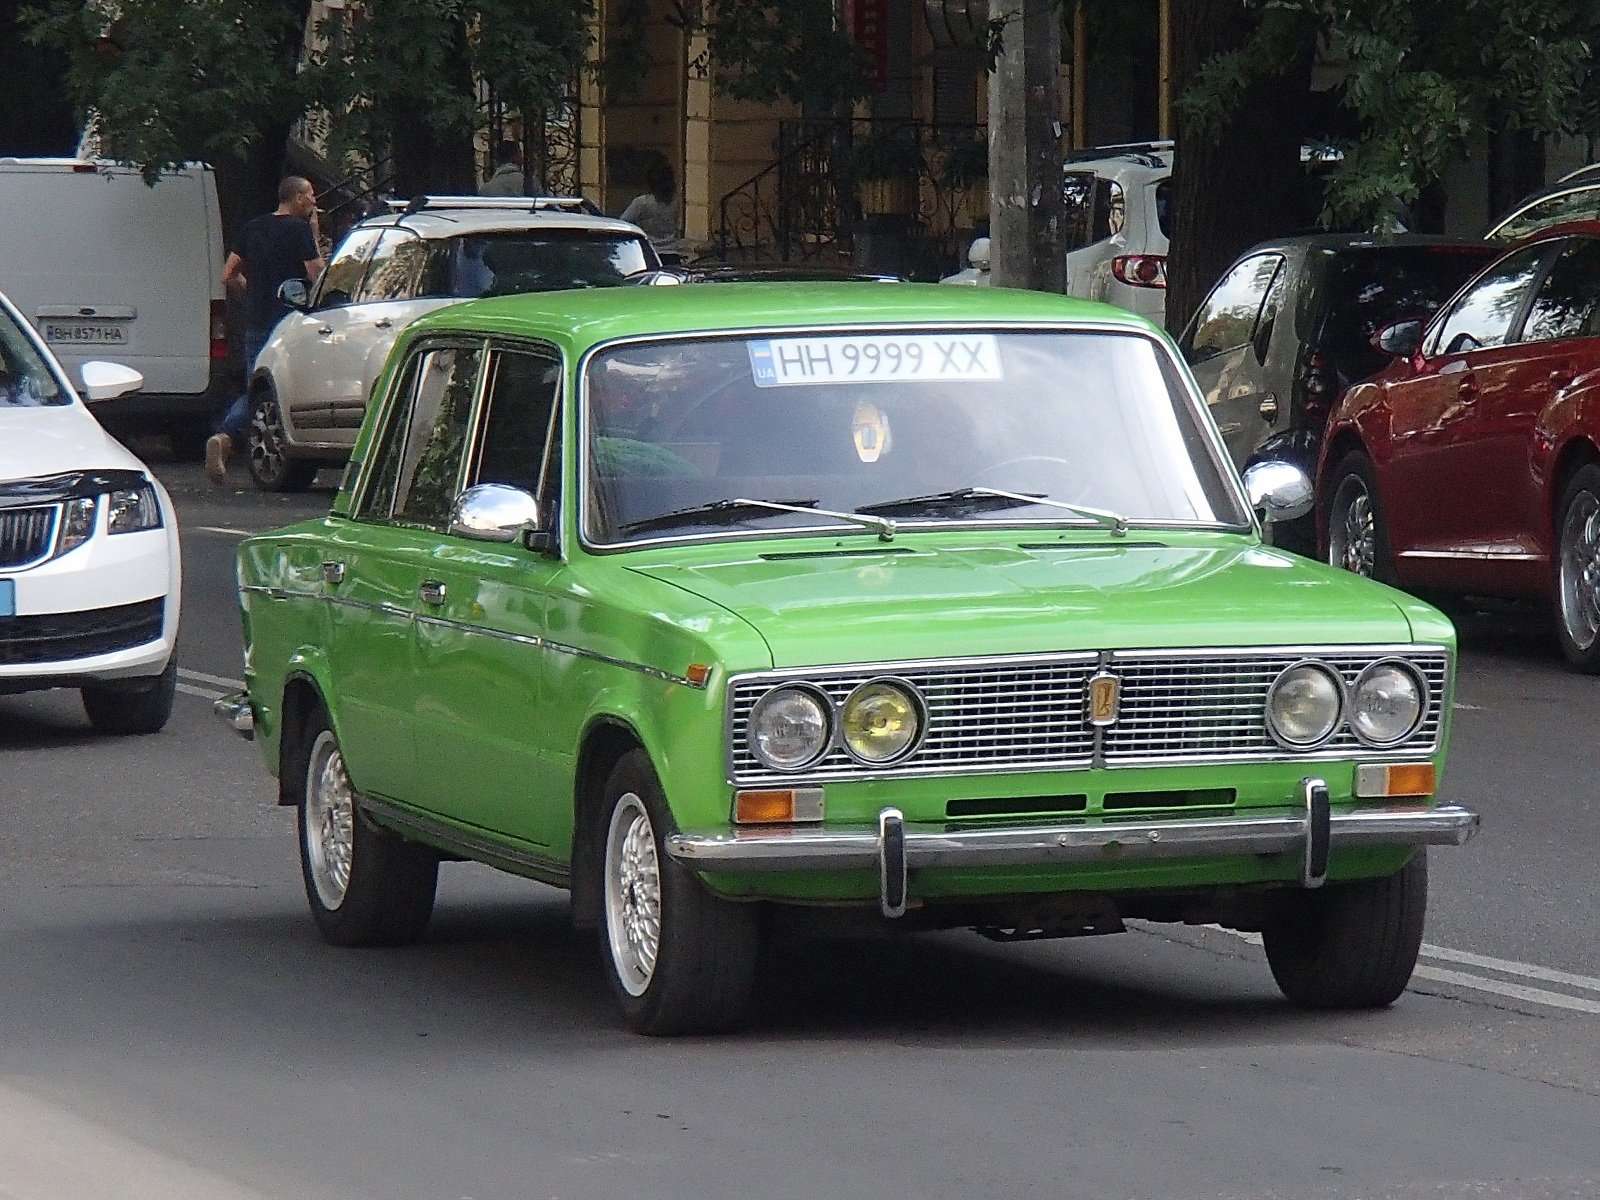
932 607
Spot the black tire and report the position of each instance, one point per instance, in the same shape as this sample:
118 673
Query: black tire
1353 504
701 967
1577 583
1349 945
366 886
266 449
137 706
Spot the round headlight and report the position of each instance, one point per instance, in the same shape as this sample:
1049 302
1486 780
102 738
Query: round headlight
789 728
1303 705
1387 703
880 721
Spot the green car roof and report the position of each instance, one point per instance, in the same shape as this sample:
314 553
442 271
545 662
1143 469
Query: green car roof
584 317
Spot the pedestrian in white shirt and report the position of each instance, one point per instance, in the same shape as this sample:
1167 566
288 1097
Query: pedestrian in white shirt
656 211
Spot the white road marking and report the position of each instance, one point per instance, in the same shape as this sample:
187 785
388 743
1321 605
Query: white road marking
202 677
187 690
1506 966
1532 995
227 529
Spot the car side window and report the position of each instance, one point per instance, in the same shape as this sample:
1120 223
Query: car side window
377 491
1077 219
1227 318
515 437
1568 302
341 278
395 267
1583 204
1487 313
436 438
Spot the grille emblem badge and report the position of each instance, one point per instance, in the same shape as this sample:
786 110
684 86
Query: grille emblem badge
1105 696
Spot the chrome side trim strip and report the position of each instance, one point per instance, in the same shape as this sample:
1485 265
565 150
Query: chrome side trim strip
1476 555
1260 831
476 847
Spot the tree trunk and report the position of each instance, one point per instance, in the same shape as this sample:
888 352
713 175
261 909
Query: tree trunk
1025 152
1242 180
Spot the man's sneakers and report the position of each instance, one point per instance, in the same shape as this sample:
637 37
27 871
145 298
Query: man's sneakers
219 446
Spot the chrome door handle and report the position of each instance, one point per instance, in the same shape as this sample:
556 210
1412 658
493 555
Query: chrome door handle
383 323
333 572
1269 407
431 591
324 330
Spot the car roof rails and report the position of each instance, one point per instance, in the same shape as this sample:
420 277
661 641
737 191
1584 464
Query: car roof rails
527 204
1144 152
1586 172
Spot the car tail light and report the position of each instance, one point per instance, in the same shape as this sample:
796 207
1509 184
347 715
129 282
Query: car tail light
1319 384
1140 270
219 330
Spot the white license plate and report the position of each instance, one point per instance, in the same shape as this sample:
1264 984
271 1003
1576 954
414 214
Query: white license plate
875 358
59 332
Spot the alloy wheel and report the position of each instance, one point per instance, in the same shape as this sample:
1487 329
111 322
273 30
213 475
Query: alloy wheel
330 821
1580 569
633 894
1353 533
265 440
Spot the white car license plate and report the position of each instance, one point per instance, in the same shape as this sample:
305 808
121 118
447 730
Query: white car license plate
8 598
875 358
85 332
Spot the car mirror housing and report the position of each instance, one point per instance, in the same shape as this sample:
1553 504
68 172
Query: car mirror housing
1278 491
295 294
108 380
1401 339
493 512
978 254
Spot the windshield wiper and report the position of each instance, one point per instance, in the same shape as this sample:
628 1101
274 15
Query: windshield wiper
972 498
738 508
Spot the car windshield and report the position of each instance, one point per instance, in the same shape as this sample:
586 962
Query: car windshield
25 380
732 435
502 264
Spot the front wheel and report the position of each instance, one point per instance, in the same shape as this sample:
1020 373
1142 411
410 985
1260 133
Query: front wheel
135 706
1349 945
1578 570
1357 538
366 885
266 449
679 959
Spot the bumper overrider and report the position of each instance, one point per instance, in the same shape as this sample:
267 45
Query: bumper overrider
893 849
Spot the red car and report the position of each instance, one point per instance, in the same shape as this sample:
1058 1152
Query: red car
1471 463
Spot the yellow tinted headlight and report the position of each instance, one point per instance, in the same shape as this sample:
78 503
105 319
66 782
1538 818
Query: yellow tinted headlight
881 721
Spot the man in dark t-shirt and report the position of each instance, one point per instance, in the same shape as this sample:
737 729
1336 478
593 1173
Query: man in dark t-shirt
268 250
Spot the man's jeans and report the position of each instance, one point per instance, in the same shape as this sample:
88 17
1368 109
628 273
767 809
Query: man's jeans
236 420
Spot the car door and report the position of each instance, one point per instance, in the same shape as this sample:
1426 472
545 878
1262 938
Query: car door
1226 351
1436 483
481 648
381 579
314 341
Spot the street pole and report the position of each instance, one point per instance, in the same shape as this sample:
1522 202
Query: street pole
1025 150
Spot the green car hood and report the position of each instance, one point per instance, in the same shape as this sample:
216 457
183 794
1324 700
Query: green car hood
848 605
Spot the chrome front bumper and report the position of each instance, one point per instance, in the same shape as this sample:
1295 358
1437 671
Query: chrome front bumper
1310 829
234 708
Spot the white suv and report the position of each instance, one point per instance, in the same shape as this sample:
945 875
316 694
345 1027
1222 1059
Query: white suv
310 383
1117 214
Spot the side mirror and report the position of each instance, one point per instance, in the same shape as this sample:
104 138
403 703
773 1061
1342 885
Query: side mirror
978 254
493 512
295 294
1401 339
108 380
1279 491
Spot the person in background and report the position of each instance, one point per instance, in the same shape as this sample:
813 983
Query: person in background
656 211
270 249
508 179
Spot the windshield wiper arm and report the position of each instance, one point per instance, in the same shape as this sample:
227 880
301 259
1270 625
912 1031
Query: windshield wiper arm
740 506
972 497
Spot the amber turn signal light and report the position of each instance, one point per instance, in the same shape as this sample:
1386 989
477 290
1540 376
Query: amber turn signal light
777 806
1383 780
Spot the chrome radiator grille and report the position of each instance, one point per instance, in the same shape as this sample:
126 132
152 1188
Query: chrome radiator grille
1030 714
1024 714
26 534
1194 706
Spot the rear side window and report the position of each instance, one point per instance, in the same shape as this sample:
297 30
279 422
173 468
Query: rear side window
1568 302
1364 290
1228 317
1164 207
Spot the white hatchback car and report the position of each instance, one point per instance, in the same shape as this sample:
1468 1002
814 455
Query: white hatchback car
310 383
89 564
1117 210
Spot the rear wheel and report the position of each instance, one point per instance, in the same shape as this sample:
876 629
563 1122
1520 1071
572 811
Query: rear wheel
1357 538
1349 945
266 449
134 706
366 886
1578 569
679 959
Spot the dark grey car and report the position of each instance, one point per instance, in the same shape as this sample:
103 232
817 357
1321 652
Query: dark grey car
1288 327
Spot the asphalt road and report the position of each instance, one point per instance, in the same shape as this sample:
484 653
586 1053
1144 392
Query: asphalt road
173 1027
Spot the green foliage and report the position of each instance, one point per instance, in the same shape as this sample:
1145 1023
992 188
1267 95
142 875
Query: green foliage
177 80
793 50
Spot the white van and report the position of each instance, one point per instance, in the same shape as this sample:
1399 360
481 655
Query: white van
106 266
